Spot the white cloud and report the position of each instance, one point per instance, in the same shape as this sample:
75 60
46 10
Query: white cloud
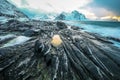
16 2
52 5
95 12
88 14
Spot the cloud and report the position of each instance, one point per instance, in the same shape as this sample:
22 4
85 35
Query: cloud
51 5
16 2
91 8
99 11
24 2
110 5
54 6
89 14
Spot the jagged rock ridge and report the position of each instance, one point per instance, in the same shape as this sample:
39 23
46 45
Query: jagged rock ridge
74 15
81 56
9 10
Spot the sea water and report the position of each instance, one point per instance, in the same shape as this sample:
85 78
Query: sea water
111 29
16 41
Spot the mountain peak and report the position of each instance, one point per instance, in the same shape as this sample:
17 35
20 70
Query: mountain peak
74 15
9 10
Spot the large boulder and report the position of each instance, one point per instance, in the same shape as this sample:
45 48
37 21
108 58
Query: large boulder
61 25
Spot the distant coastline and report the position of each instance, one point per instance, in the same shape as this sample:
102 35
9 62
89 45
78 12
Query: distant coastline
101 23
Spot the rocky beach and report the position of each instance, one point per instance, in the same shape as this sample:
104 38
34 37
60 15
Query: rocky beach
54 50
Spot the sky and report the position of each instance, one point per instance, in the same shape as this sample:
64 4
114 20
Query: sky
93 9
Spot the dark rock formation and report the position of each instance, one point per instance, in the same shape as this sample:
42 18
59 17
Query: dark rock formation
75 28
15 25
31 33
61 25
113 38
6 39
81 56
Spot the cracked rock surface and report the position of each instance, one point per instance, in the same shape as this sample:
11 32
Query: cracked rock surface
80 56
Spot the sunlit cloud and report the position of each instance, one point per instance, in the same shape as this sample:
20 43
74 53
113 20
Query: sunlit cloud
95 12
116 18
88 14
100 11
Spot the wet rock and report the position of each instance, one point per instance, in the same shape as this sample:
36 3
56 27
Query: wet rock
6 38
75 28
44 23
13 21
15 25
15 41
39 47
30 33
81 56
113 38
61 25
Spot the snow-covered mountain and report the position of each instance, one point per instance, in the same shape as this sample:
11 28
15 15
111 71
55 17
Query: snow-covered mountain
37 15
8 11
45 16
74 15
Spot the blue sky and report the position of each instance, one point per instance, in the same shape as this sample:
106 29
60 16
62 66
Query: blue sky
91 8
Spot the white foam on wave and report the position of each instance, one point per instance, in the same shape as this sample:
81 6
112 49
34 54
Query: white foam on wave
16 41
7 36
